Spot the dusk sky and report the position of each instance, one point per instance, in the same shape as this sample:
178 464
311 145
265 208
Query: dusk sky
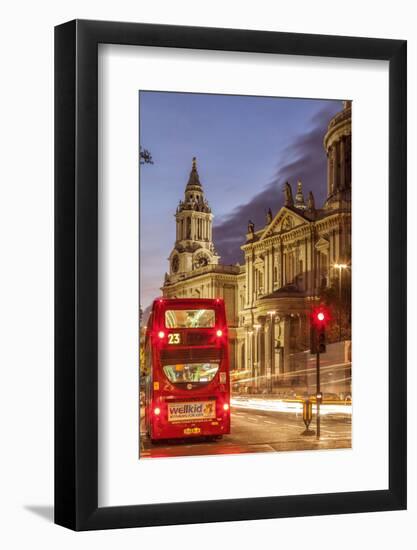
246 149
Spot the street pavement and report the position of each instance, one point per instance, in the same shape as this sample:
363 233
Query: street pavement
255 430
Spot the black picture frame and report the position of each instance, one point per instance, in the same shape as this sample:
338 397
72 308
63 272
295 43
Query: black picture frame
76 272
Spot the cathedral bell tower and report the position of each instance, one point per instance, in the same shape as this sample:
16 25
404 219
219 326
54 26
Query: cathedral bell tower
194 246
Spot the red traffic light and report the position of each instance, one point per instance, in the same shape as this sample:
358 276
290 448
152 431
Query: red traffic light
320 316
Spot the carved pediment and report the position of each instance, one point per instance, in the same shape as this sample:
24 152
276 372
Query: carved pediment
322 244
285 220
258 262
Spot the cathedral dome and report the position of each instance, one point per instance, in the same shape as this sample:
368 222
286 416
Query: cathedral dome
339 126
338 146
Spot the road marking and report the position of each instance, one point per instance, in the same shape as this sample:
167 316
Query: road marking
268 422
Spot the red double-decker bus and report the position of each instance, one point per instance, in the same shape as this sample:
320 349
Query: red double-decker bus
187 365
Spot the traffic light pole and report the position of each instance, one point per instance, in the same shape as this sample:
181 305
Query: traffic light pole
318 393
320 318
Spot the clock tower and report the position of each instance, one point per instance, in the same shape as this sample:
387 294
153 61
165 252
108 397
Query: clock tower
193 248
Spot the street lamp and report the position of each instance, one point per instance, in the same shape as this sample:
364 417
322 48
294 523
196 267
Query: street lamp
340 267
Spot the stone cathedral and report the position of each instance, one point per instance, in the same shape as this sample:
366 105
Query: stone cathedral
288 263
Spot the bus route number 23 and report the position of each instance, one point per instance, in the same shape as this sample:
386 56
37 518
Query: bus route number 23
174 338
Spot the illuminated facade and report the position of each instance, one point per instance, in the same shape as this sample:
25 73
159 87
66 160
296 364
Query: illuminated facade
289 262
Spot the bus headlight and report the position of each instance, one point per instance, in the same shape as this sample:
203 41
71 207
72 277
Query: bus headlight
161 334
157 411
219 333
226 406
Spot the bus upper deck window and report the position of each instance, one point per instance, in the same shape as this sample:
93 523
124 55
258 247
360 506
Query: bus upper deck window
190 318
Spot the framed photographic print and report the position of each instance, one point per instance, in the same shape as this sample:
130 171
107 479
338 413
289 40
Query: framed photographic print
230 275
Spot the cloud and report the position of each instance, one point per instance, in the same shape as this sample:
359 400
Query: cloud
306 161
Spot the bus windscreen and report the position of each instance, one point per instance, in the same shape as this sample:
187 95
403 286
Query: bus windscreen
191 372
190 318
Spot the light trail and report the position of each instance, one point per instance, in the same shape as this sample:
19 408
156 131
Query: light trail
297 372
280 405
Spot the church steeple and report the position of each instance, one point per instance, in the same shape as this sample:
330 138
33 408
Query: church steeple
194 194
194 246
194 179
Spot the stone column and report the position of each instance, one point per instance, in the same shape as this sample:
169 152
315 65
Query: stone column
312 262
338 242
284 269
261 352
266 351
348 147
342 164
331 250
251 281
270 271
249 352
272 344
247 282
266 273
309 283
255 355
335 182
329 173
286 344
